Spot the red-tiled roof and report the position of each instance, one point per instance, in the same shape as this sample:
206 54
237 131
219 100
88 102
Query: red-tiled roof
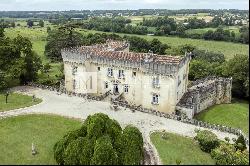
109 50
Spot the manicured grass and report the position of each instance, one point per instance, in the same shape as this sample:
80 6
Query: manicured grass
16 100
176 147
229 49
233 115
18 134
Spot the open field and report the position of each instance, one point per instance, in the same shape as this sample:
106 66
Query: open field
234 115
178 18
204 30
38 37
18 133
229 49
16 101
176 147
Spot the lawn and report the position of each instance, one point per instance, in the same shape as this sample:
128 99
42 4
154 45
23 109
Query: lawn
176 147
16 100
18 134
234 115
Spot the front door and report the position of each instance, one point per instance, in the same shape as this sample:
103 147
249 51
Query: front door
116 90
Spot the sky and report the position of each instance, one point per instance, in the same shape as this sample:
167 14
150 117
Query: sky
22 5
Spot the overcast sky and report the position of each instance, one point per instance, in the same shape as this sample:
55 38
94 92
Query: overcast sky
120 4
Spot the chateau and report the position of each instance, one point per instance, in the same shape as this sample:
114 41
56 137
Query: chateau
155 82
148 80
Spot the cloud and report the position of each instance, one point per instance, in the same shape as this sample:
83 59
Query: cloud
120 4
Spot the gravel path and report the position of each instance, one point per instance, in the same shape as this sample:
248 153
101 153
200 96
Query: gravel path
80 108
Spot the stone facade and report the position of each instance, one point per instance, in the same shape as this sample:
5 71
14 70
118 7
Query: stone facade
204 93
147 80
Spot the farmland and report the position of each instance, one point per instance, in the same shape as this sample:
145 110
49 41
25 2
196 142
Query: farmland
229 49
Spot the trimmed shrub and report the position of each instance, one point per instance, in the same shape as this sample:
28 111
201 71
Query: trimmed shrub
71 156
62 144
104 154
133 146
207 140
79 152
113 129
100 140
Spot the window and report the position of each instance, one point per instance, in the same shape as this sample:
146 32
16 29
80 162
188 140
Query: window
121 74
98 68
156 81
126 88
74 84
106 85
179 81
155 99
110 72
74 70
134 74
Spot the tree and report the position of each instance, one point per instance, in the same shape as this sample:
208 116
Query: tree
226 154
30 23
12 24
64 37
238 69
1 32
157 47
31 61
3 83
48 29
41 23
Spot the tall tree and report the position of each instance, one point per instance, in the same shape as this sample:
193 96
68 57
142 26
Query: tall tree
41 23
63 37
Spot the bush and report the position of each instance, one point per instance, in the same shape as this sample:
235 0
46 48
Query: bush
240 143
74 155
62 144
207 140
133 146
100 140
226 154
104 154
96 125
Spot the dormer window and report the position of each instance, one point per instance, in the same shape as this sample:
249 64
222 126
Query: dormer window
74 70
110 72
99 68
121 74
156 82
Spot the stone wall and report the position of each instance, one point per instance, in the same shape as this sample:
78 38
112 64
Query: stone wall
204 93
